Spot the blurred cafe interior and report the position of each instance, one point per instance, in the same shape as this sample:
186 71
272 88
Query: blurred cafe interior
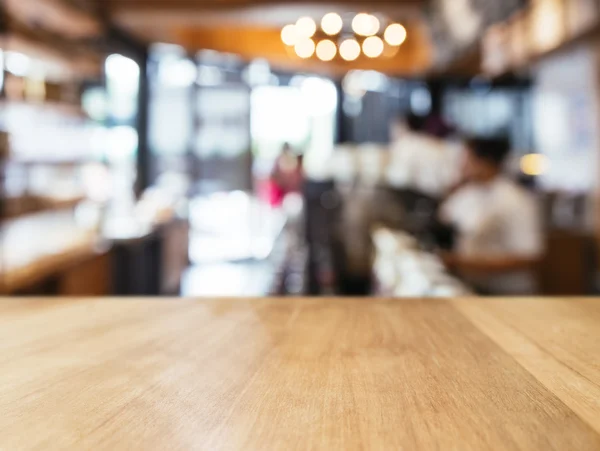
407 148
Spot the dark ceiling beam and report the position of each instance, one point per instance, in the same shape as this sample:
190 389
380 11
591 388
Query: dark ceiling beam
56 16
90 7
207 5
113 38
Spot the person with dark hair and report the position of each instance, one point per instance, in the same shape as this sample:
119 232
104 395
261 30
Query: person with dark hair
415 123
421 162
432 125
498 224
287 175
493 151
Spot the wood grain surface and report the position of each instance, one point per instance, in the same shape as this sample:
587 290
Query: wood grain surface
300 374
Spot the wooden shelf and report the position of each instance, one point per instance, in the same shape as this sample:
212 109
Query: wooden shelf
75 59
30 256
502 38
14 280
56 16
39 204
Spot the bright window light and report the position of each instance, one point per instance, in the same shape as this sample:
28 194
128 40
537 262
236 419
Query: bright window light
177 73
18 64
319 95
123 73
122 143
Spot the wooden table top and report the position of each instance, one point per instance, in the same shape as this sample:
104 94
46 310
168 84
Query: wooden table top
287 374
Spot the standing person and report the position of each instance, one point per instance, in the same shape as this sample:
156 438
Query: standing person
435 125
498 225
421 162
287 174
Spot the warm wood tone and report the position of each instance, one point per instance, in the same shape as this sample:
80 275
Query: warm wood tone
566 249
413 56
90 277
557 341
327 374
23 277
55 16
251 28
40 263
75 65
15 207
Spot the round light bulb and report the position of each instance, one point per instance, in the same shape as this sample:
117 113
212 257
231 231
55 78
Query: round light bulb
305 48
306 27
365 24
326 50
289 35
534 164
373 47
375 26
350 50
332 24
395 34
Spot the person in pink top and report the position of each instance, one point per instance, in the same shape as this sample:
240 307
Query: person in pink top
287 175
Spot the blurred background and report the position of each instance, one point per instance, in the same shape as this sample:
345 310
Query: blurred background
265 147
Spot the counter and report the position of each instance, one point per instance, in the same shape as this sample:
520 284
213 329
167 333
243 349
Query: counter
52 249
36 246
326 374
402 269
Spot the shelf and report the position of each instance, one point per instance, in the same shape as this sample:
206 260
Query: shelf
63 60
43 162
39 205
45 265
38 245
69 109
57 17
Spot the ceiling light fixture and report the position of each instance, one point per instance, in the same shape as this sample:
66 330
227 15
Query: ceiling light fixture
306 27
365 24
345 37
395 34
326 50
350 49
305 48
332 24
373 47
289 35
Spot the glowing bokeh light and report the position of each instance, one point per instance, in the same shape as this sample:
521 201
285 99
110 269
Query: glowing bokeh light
350 50
332 24
289 35
305 48
326 50
395 34
373 47
306 27
365 24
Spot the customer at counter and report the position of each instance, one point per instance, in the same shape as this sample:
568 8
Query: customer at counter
498 228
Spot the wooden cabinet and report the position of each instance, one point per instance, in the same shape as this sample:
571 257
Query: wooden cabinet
89 278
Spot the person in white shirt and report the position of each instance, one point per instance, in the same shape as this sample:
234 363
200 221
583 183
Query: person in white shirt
499 232
420 161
